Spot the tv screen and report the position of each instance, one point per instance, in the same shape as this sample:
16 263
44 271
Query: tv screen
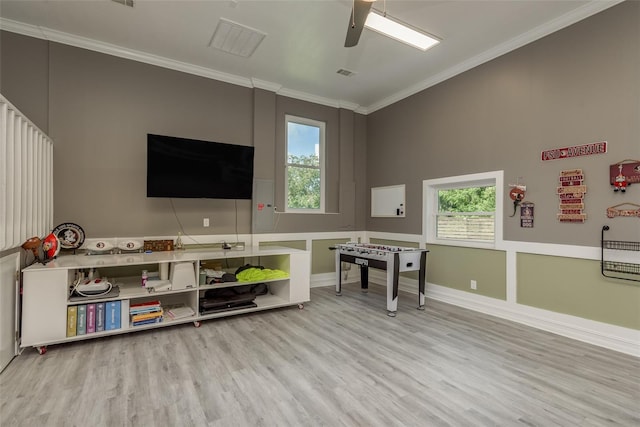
190 168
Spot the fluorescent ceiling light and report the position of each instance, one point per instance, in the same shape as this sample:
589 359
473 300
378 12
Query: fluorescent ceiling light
400 32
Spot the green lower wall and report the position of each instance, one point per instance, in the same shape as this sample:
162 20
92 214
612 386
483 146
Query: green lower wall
576 287
295 244
323 259
455 267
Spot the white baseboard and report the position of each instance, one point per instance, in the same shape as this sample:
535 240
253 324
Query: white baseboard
617 338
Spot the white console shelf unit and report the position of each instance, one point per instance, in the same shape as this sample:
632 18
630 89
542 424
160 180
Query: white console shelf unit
46 298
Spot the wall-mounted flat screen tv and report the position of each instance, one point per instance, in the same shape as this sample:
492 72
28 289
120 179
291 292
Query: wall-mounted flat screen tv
190 168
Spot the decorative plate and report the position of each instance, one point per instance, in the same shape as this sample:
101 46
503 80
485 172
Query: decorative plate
130 245
100 246
71 235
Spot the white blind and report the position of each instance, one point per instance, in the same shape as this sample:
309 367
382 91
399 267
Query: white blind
26 178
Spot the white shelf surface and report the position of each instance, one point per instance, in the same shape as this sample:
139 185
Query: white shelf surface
119 260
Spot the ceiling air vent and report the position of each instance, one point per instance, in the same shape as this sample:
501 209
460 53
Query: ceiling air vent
235 38
124 2
345 73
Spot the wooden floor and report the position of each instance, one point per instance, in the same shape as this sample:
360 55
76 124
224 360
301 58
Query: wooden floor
339 362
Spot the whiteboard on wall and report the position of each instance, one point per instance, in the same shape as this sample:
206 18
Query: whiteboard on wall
388 201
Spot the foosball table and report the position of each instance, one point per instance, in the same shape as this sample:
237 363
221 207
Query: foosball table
393 259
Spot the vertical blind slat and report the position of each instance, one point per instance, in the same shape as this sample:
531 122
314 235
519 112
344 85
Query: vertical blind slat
3 172
26 178
11 121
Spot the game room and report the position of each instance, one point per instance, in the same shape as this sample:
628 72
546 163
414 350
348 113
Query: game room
276 213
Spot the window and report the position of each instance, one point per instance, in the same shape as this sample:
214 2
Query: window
304 165
464 210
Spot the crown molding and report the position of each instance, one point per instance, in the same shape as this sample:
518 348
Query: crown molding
303 96
263 84
114 50
557 24
147 58
523 39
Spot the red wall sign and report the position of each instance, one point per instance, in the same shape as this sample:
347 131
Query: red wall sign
575 151
629 169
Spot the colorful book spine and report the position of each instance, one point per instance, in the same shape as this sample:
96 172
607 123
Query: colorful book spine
144 310
100 317
148 321
145 304
81 324
72 314
112 316
91 318
145 316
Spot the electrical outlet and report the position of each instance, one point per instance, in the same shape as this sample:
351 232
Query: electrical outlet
474 285
205 222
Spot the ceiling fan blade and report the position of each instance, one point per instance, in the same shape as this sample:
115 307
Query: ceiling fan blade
357 17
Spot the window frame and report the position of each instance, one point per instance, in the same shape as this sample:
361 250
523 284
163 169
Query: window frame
321 153
430 190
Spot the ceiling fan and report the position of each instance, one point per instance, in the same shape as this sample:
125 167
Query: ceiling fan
357 18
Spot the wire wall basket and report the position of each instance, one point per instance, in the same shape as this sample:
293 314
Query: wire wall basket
624 270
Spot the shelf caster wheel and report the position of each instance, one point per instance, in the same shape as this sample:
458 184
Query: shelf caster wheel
364 291
338 294
421 307
300 306
391 314
197 323
41 350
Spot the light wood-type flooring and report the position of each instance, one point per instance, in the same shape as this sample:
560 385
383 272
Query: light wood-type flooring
341 361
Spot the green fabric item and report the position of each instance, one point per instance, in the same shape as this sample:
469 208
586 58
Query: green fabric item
258 274
274 274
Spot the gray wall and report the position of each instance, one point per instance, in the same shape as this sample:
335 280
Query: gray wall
24 81
576 86
98 109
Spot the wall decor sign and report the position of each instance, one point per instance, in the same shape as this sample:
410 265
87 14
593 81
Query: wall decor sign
575 151
517 195
630 210
571 194
623 174
526 214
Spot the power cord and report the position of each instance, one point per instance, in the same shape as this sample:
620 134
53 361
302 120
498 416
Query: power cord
80 280
225 245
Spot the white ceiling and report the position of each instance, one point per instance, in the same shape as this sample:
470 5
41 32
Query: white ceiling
304 46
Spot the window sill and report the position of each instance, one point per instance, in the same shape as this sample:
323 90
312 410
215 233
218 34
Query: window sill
463 243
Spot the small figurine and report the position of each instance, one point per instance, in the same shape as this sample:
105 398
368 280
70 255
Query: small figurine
41 250
517 195
620 183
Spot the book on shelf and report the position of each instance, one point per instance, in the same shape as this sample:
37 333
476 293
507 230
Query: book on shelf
99 317
147 322
112 316
144 310
72 313
178 311
91 318
81 323
146 307
142 305
146 316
